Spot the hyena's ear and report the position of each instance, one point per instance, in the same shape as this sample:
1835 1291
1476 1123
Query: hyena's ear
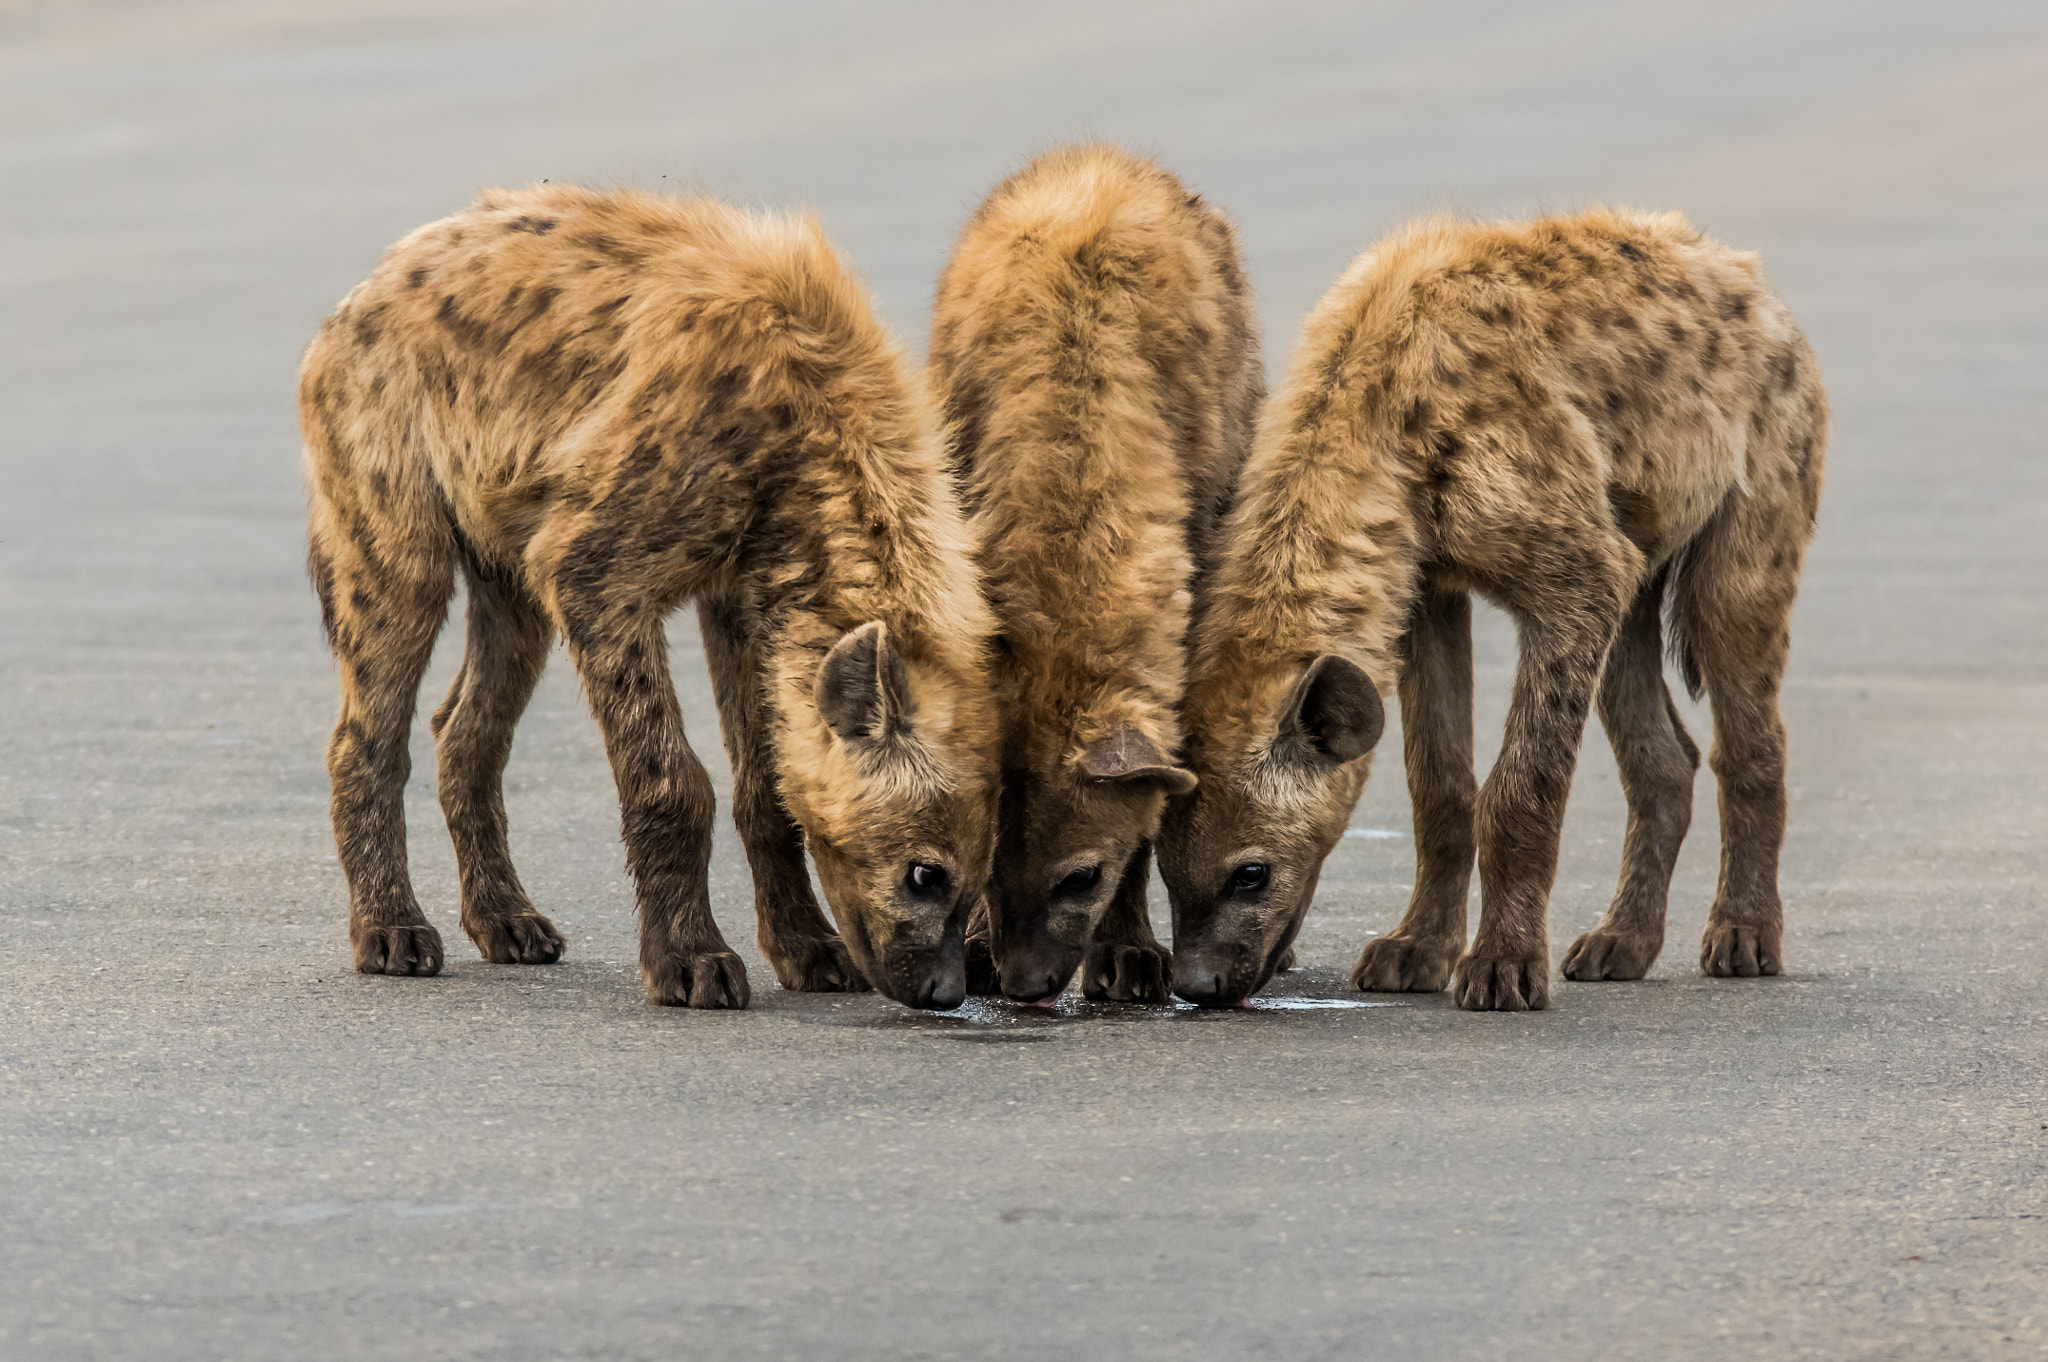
1128 757
1335 710
863 690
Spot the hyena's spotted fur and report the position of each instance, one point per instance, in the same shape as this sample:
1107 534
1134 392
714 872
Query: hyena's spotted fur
595 407
1095 352
1597 421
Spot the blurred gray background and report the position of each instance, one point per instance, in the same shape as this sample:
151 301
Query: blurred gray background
218 1142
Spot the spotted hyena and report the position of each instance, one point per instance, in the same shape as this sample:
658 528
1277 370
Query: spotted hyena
1095 353
597 406
1603 423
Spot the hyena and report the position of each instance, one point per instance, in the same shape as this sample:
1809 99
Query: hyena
1601 422
597 406
1096 358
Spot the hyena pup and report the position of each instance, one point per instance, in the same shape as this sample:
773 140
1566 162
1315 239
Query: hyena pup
595 407
1601 422
1096 358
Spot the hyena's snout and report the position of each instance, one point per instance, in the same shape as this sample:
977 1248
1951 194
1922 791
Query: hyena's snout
928 975
1212 974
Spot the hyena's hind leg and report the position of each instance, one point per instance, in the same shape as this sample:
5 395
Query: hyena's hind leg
1436 739
383 603
796 936
1658 760
1124 961
507 649
1733 608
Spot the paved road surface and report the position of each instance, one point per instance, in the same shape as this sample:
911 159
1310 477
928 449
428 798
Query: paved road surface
217 1142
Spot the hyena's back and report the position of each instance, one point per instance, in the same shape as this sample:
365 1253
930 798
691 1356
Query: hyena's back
507 373
1605 379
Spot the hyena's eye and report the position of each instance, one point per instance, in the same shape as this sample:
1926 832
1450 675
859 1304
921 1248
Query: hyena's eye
1080 881
925 878
1248 878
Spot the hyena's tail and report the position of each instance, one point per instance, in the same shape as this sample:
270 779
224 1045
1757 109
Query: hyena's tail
1681 631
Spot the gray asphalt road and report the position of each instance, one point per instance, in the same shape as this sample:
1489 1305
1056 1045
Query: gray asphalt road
217 1142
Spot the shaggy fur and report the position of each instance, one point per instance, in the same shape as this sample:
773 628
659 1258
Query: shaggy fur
595 407
1597 421
1094 348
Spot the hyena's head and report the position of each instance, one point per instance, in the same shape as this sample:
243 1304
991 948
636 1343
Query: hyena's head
1279 771
1072 819
894 785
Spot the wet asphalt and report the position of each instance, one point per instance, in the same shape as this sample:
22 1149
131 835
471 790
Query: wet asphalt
217 1142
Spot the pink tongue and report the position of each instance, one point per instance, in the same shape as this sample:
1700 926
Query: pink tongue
1048 1002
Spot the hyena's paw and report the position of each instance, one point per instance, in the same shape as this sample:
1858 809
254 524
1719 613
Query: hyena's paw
983 980
1610 954
1286 962
517 939
815 964
404 948
1403 964
1740 951
1492 982
697 979
1127 972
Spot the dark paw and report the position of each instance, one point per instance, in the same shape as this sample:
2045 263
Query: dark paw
1286 962
1608 954
523 939
1740 952
1402 964
983 979
704 979
816 964
410 949
1495 983
1127 973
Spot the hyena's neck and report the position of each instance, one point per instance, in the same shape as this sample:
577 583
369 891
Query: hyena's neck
1321 558
868 529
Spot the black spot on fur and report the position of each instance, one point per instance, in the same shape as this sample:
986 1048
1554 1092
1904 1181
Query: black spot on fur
1785 369
467 332
367 331
416 278
525 223
1633 251
1415 418
1734 307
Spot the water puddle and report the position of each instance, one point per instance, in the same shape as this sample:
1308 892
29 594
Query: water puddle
995 1021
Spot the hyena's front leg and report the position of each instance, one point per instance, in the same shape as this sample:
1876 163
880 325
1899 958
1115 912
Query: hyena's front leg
795 935
984 980
507 649
1436 738
666 806
1657 760
1124 961
1519 814
382 612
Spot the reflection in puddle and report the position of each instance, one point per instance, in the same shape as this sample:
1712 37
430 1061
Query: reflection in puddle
992 1019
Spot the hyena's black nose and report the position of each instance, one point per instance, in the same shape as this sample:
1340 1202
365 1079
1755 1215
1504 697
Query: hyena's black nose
943 991
1032 986
1200 981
